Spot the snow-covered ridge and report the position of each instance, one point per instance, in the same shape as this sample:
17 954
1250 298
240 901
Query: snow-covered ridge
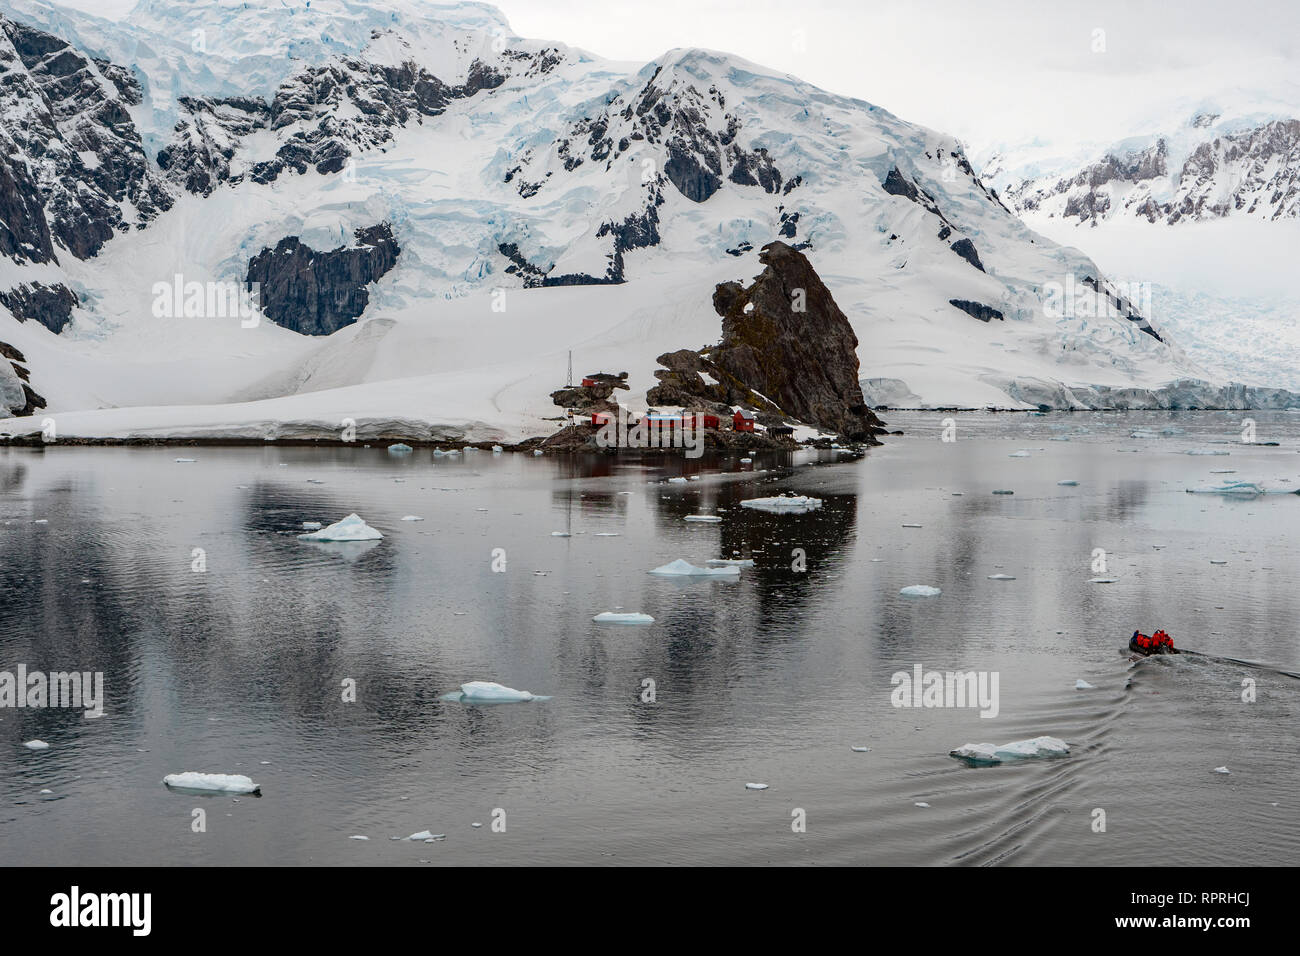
543 200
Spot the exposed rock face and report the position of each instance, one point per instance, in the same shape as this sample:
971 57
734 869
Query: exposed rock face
980 311
71 159
896 184
50 305
16 397
1253 172
774 356
591 398
317 293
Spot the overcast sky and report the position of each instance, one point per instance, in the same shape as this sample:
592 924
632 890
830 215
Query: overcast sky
988 72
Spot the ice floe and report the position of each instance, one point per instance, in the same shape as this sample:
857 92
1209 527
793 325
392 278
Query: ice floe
491 692
1082 684
1003 491
1001 577
1245 489
1067 482
755 786
216 782
682 568
1103 580
1016 750
730 562
351 528
36 745
613 617
920 590
710 519
1222 770
782 504
1205 451
412 518
311 525
400 448
186 461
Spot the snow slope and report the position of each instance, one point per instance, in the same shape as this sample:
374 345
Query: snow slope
529 167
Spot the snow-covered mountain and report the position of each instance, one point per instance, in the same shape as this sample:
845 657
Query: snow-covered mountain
436 212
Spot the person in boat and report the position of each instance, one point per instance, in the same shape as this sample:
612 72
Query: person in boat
1157 643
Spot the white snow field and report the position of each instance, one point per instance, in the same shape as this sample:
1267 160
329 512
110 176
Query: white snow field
451 346
219 782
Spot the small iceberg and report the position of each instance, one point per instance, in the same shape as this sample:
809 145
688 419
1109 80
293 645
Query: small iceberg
1082 684
488 691
1244 489
677 481
311 525
1016 750
711 519
685 569
1003 491
412 518
1222 770
730 562
783 504
497 449
426 836
755 786
213 782
560 534
1001 577
186 461
1205 451
1019 454
911 526
920 590
1103 580
400 448
351 528
1067 482
860 750
612 617
36 745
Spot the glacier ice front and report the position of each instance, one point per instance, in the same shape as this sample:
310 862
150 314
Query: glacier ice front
215 782
1016 750
351 528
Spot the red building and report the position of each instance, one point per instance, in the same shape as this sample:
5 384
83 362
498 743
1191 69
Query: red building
742 422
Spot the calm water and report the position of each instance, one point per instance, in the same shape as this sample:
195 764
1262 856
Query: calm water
771 679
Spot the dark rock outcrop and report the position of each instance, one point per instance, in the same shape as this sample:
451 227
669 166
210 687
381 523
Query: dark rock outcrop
787 350
979 310
73 171
966 249
317 293
50 305
17 397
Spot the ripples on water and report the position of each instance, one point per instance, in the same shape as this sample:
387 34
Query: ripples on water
769 679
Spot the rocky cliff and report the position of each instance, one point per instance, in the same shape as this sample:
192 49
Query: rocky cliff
317 293
787 351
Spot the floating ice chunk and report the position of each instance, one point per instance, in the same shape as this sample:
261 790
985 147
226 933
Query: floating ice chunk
710 519
186 461
1245 489
606 534
427 836
861 750
351 528
1103 580
36 745
1213 561
612 617
784 504
41 521
358 836
1223 471
560 534
730 562
924 806
1003 491
1001 577
920 590
497 449
1222 770
755 786
1205 451
412 518
1067 482
1016 750
682 568
1082 684
400 448
746 461
911 526
537 453
311 525
217 782
677 481
489 691
1019 454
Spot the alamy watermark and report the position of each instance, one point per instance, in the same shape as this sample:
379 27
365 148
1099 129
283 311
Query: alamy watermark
76 689
208 300
653 431
923 688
